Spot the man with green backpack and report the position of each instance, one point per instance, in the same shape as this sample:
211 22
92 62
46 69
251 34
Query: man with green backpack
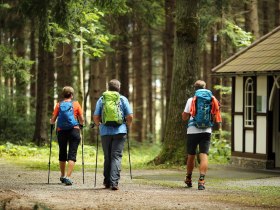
112 114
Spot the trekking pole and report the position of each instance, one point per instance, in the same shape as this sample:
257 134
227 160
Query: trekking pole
128 146
83 168
96 156
50 154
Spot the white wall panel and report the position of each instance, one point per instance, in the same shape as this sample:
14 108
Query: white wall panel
261 94
261 135
262 85
238 133
238 94
249 141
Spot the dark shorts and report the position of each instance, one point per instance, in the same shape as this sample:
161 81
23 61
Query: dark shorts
71 137
201 139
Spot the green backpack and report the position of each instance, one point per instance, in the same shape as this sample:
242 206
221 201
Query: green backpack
111 111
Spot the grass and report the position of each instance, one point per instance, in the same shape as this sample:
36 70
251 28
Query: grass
34 157
255 196
258 196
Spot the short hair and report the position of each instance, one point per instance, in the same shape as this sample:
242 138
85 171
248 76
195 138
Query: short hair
67 91
199 84
114 85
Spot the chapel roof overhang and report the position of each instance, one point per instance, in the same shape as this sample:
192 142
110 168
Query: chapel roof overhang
260 58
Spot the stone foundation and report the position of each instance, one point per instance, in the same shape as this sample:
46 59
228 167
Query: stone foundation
252 163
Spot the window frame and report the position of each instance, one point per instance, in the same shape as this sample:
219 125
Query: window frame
249 104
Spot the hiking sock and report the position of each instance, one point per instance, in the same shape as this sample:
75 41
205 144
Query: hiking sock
62 178
188 180
201 177
201 182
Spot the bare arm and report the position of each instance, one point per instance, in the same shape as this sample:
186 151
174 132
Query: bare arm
81 119
96 120
129 119
185 116
53 119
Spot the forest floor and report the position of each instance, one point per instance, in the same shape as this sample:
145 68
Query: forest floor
23 188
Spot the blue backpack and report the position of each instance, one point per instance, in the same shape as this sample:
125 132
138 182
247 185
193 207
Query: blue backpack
66 119
202 118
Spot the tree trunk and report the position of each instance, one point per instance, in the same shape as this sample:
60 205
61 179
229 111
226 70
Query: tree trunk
215 57
137 68
21 84
163 96
168 46
252 18
81 88
265 17
102 76
94 92
111 56
185 73
123 53
33 70
40 135
64 64
51 79
277 12
150 104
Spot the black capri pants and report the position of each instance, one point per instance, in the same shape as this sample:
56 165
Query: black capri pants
71 137
198 139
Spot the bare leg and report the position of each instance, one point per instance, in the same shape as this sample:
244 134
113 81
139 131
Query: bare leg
62 165
202 169
203 163
190 166
71 165
190 163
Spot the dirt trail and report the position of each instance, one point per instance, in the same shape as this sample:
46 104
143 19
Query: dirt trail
25 189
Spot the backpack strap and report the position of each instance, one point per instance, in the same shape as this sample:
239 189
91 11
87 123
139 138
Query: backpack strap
122 105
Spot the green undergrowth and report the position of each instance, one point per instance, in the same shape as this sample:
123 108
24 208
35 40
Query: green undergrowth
34 157
141 155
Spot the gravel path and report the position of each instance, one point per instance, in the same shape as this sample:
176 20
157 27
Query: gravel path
26 189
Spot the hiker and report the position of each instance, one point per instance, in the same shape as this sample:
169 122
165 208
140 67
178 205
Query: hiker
113 116
199 129
69 115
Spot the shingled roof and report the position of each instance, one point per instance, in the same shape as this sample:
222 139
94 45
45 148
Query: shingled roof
261 57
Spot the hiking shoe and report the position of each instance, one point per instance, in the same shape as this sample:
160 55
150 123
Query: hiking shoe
62 179
115 187
106 185
188 182
68 181
201 184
